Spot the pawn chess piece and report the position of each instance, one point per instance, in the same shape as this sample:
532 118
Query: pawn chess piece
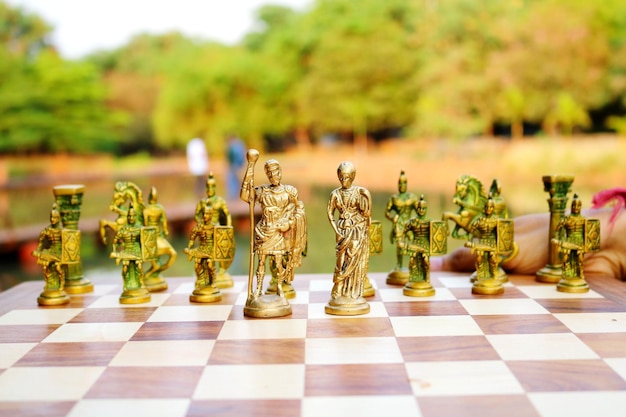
352 228
399 210
154 215
376 248
220 217
276 235
49 255
492 240
575 236
423 238
204 256
138 244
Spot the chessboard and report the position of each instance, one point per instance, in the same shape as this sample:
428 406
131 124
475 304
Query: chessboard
532 351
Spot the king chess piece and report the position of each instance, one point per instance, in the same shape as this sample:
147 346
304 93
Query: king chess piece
278 235
69 199
352 227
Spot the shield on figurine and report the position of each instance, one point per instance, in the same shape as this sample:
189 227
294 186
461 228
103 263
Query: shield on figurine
592 235
376 237
438 237
505 237
224 245
70 246
149 249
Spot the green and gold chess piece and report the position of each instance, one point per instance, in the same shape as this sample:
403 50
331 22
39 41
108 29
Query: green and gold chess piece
69 199
52 254
399 210
422 239
575 236
133 245
558 187
154 215
350 212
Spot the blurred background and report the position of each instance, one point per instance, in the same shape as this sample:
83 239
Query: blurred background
96 92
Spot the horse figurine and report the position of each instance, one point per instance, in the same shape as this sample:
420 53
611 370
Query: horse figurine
123 192
471 198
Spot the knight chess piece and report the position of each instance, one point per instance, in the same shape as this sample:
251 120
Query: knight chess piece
558 187
575 235
69 199
492 241
220 217
50 255
399 209
352 227
276 235
133 245
423 238
206 255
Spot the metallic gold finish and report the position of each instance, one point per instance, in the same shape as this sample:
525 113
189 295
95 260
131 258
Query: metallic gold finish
352 229
492 239
207 253
558 187
131 244
220 217
376 248
69 199
152 215
575 236
399 210
422 238
279 235
49 255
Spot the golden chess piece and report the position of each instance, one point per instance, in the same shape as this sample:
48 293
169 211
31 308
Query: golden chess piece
154 215
422 239
352 227
69 198
575 235
492 241
279 235
206 255
132 246
376 248
220 217
399 210
50 255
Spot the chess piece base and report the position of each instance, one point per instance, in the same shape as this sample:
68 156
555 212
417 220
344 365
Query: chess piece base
287 290
205 295
550 274
78 286
398 277
53 298
224 280
136 296
155 284
268 305
344 306
575 285
490 286
418 289
368 288
501 275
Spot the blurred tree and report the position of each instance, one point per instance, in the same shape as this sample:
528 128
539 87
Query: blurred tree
22 34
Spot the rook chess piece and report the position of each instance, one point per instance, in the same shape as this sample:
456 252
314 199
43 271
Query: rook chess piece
352 249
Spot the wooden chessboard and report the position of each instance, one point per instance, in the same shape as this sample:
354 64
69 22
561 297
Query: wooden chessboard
531 351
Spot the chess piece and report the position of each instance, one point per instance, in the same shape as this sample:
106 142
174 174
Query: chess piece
154 215
138 244
49 255
376 248
422 239
575 236
492 239
205 257
69 200
291 260
352 249
220 217
275 235
399 209
558 186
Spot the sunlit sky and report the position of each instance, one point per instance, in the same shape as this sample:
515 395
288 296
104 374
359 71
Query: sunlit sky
84 26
